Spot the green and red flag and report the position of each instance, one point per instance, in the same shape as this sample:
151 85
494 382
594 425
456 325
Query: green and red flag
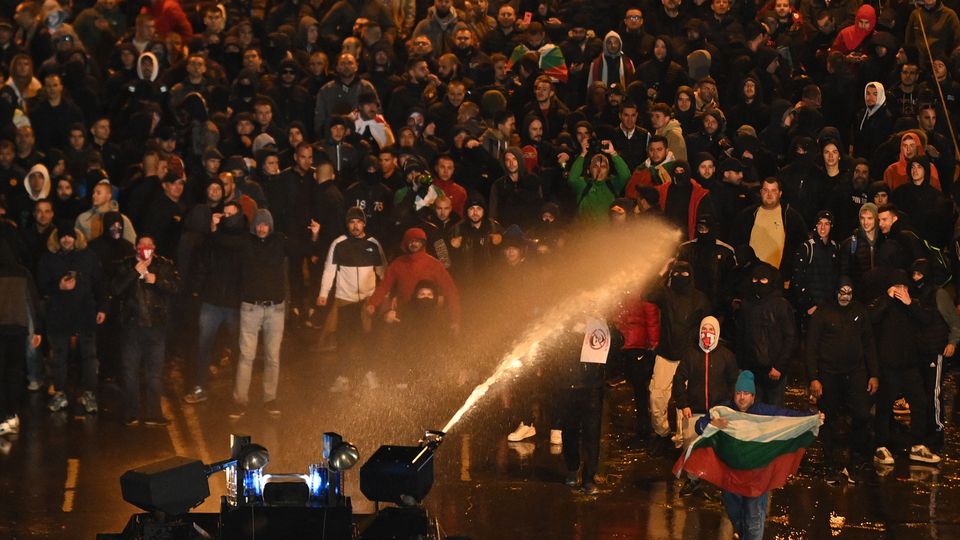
753 454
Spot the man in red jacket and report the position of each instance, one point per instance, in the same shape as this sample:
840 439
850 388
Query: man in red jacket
639 322
407 270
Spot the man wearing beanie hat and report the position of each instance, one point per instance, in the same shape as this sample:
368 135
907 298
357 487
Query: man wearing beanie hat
264 288
406 271
817 269
71 279
841 361
355 261
747 514
474 242
768 335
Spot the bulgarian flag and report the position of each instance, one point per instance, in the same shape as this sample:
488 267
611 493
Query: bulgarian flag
552 63
753 454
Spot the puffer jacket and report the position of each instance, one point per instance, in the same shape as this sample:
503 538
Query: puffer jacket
639 322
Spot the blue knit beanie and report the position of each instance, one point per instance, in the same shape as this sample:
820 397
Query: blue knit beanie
745 382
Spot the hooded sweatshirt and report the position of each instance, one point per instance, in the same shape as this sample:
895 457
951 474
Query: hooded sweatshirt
156 66
611 67
850 38
516 202
44 190
897 173
707 371
407 270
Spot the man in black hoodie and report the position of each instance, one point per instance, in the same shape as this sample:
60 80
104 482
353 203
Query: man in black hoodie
217 273
930 212
19 318
581 352
111 249
713 263
897 321
841 359
516 197
768 334
937 339
263 292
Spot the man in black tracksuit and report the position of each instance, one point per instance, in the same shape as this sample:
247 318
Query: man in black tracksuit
897 321
769 334
937 339
842 368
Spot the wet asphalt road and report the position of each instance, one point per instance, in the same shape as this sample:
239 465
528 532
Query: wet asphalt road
59 478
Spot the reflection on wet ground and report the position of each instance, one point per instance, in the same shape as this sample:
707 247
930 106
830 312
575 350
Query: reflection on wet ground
59 477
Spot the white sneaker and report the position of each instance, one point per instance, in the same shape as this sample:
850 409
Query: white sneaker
884 457
340 384
522 432
922 453
556 436
10 426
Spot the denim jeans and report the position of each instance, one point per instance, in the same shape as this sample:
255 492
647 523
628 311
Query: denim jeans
748 514
211 319
143 348
35 367
60 351
253 318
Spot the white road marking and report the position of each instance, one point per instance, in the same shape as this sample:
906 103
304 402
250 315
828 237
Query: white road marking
70 484
173 429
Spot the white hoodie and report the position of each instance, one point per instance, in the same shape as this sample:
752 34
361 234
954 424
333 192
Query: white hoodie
45 190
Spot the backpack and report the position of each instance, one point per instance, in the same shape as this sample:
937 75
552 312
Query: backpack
940 262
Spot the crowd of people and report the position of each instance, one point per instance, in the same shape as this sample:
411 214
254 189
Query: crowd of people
172 174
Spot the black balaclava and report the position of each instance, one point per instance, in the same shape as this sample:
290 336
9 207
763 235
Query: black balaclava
709 236
677 208
923 267
678 282
763 290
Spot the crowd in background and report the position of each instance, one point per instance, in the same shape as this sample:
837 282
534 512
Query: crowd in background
177 180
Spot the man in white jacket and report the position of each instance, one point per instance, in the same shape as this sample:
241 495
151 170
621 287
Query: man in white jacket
355 261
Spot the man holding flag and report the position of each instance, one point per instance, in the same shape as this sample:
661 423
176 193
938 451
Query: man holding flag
748 448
